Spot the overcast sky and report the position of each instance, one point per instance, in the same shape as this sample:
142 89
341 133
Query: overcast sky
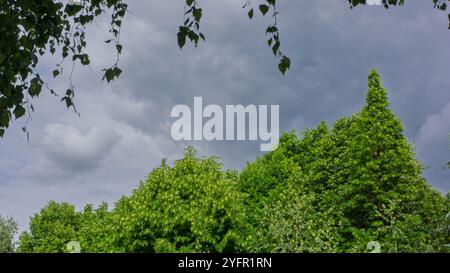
124 128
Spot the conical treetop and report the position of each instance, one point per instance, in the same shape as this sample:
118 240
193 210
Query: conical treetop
376 95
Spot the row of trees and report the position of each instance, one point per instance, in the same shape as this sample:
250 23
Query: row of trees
329 190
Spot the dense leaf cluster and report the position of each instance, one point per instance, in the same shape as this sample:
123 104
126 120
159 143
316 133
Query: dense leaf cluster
338 189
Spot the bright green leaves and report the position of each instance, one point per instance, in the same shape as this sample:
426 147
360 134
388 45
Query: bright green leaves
329 190
59 223
356 183
190 207
379 178
191 26
376 95
51 229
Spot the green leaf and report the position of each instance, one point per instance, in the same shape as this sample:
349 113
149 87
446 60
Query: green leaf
117 72
284 65
181 39
197 13
119 48
264 9
271 29
55 73
112 73
4 119
2 58
19 111
35 87
276 48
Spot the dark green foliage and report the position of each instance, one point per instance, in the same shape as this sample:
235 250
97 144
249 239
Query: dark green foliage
30 29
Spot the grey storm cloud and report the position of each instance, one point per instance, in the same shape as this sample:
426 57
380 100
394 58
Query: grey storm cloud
124 128
70 149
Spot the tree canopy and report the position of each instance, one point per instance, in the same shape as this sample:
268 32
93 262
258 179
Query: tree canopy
340 188
361 180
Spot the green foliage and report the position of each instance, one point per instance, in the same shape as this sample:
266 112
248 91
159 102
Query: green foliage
30 29
361 177
51 229
57 224
8 229
92 231
290 222
379 177
190 207
355 187
191 26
